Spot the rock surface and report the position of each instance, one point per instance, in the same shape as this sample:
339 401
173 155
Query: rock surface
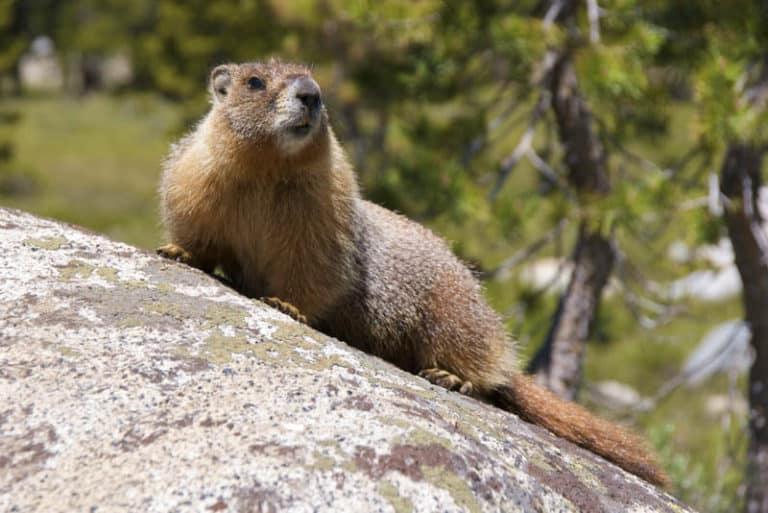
130 383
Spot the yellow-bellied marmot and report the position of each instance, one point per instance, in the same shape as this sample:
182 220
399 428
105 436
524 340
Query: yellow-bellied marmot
262 188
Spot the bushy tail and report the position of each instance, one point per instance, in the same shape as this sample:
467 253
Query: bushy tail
574 423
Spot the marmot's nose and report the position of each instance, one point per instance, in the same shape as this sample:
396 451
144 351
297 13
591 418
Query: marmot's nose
308 92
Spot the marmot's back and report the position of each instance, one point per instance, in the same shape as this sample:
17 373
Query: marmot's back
412 295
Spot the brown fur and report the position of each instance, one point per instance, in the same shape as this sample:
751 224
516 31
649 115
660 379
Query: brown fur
285 218
572 422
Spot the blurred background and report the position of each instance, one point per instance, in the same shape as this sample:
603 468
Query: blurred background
598 162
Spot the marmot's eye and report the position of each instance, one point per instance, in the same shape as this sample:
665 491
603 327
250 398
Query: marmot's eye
256 83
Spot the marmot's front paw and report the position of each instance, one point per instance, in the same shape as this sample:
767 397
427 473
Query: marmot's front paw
287 308
174 252
447 380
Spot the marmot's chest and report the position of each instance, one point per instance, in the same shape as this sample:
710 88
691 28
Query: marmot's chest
300 249
277 239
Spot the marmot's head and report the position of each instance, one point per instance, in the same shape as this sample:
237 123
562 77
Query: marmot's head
272 102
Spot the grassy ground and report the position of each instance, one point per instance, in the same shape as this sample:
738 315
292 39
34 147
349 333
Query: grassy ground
95 161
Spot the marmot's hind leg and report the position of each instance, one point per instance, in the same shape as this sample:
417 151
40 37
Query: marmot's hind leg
447 380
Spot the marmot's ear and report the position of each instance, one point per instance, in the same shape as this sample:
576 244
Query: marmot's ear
220 82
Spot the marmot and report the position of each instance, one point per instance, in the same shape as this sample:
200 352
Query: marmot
262 188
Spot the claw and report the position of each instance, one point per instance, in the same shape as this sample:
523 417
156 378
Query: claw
447 380
285 307
174 252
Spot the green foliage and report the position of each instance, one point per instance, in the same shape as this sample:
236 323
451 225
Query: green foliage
12 43
718 94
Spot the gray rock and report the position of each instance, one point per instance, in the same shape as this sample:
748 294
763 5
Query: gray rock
724 348
712 285
619 396
130 383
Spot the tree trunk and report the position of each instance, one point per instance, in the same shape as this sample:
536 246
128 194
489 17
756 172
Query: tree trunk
741 181
584 152
558 364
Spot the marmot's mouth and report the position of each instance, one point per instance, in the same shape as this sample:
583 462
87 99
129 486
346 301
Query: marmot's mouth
301 130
